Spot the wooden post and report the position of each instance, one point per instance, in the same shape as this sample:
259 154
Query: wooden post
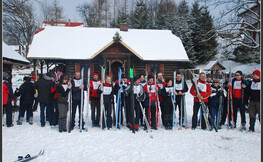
129 65
41 67
35 70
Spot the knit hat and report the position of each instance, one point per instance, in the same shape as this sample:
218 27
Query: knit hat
150 77
209 75
216 81
159 74
59 73
123 76
240 72
5 75
33 77
256 72
95 74
135 78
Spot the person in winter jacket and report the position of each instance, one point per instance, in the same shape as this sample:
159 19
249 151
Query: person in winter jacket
26 91
124 86
139 96
77 85
94 100
8 97
167 111
216 92
151 88
205 91
239 93
181 88
63 89
161 83
43 86
254 99
108 102
54 103
226 114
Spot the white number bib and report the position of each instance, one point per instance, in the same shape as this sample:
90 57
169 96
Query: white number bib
237 84
107 90
77 83
256 86
161 86
179 87
202 87
96 85
136 89
152 88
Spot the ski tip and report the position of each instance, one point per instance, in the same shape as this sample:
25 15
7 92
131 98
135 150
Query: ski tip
179 128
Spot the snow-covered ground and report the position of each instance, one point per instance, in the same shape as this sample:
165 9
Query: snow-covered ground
123 145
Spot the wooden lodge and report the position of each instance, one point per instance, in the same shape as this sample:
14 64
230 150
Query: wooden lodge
71 48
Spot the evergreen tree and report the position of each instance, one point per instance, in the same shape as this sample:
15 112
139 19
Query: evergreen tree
209 43
196 27
140 17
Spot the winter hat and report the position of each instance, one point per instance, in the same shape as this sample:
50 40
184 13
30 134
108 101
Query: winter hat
240 72
59 73
5 75
216 81
208 75
62 77
150 77
135 78
95 74
256 72
49 74
33 77
123 76
159 74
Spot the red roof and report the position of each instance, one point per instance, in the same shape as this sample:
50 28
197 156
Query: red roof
67 24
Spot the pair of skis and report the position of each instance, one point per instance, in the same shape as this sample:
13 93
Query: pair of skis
118 109
203 107
29 158
82 102
102 108
183 107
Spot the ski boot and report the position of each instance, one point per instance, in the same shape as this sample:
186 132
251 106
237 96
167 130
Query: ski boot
243 128
20 121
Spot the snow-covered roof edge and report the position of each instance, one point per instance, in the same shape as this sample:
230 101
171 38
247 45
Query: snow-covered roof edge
10 54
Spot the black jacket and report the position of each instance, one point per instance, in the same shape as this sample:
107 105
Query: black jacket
27 92
43 86
62 93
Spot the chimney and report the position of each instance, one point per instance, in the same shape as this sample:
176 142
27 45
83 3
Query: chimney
123 27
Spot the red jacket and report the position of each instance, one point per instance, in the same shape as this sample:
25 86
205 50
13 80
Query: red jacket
54 90
93 88
204 89
147 89
5 93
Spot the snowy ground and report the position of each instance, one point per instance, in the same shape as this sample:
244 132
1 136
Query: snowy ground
111 145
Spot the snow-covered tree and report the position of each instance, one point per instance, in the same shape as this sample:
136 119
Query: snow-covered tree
140 16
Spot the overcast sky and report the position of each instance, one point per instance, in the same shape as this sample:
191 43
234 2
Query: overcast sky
71 13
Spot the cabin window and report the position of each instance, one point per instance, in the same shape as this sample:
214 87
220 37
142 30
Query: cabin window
154 68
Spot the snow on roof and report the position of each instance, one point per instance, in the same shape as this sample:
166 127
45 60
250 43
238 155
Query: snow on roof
211 64
83 43
10 53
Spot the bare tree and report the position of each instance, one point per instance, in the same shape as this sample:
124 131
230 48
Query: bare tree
242 28
19 21
56 12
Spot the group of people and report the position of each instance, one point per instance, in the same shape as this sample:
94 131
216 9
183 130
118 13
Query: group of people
155 100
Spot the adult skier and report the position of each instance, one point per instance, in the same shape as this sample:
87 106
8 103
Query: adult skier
8 97
139 95
167 111
254 99
239 91
151 88
205 91
63 89
94 100
108 100
76 98
181 89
